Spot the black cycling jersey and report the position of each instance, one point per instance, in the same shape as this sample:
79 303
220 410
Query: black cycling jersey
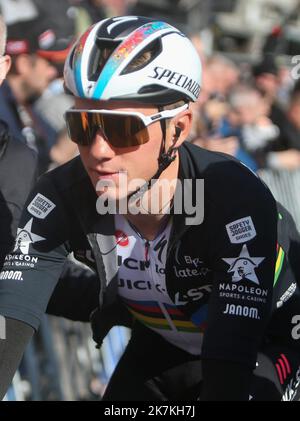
18 166
284 327
219 274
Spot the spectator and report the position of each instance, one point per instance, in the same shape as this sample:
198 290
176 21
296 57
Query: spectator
220 76
17 169
30 75
52 106
224 129
171 11
285 152
227 139
268 79
266 75
18 10
59 14
53 102
249 111
282 153
87 12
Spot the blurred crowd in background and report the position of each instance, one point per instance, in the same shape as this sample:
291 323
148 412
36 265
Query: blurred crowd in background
249 105
250 99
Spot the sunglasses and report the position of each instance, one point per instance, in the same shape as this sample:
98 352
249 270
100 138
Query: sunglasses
121 129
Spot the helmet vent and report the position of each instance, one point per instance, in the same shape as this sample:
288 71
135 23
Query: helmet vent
71 58
160 95
151 89
99 57
148 54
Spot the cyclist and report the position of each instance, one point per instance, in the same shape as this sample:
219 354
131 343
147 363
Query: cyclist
199 290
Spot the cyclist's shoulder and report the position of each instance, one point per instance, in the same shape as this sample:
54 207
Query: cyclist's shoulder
67 176
213 165
12 148
20 152
225 178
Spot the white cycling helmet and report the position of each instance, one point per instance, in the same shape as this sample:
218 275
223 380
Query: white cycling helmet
99 64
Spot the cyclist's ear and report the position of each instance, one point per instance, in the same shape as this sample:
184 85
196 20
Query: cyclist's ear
180 128
177 132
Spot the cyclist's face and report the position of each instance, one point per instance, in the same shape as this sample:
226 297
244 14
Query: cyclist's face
103 161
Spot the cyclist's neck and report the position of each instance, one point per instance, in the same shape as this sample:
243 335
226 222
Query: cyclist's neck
148 226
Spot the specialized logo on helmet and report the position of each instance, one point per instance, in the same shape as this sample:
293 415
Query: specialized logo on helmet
177 79
243 267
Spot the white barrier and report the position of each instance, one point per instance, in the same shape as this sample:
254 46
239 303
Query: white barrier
285 187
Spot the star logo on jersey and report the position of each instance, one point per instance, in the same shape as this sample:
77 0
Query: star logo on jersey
25 237
243 266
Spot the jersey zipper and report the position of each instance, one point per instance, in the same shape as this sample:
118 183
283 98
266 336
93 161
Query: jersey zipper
152 280
147 246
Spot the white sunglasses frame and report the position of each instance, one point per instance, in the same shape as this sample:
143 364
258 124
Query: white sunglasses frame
147 119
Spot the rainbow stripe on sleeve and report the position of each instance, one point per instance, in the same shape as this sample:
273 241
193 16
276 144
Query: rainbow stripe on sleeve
279 263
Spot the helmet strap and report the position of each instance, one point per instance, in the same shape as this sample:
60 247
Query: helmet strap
164 160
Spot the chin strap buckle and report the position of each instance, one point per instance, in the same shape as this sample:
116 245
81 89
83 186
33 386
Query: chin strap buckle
166 158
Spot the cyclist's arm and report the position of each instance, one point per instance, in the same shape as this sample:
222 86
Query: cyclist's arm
30 273
233 381
76 294
243 274
17 335
289 239
14 186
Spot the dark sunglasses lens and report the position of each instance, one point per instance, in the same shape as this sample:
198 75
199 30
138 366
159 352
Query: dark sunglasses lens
124 131
79 127
121 131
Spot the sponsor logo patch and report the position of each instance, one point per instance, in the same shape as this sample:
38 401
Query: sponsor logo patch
242 292
134 264
40 206
121 238
141 285
194 294
292 386
25 237
296 329
243 267
11 274
20 260
178 79
188 272
196 265
244 311
287 295
241 230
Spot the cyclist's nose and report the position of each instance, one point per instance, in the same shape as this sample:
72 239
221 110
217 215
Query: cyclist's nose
100 147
